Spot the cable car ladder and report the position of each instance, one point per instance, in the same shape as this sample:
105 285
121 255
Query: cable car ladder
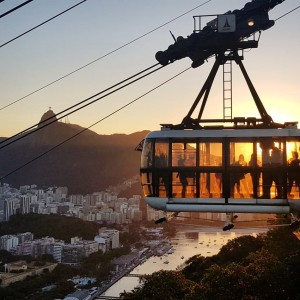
227 90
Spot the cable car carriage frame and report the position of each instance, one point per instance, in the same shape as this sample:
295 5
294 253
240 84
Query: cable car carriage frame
204 165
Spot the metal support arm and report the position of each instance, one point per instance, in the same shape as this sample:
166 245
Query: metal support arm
189 123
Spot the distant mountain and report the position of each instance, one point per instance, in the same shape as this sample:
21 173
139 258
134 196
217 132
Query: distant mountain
86 163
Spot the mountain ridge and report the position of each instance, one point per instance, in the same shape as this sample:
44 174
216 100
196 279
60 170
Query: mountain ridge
85 161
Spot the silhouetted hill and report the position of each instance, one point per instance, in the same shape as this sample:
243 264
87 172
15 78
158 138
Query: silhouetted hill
86 163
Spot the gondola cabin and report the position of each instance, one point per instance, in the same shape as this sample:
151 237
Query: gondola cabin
222 170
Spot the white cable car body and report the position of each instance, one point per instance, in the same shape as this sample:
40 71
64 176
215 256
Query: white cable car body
199 170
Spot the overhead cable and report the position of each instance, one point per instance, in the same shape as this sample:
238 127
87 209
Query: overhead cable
51 120
103 56
15 8
288 13
85 129
41 24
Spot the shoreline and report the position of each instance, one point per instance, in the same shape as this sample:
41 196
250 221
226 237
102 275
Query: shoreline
182 245
163 249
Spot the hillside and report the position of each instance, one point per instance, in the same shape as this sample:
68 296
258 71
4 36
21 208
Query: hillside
59 227
86 163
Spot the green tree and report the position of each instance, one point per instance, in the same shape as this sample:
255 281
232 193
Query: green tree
293 266
281 242
162 285
59 227
226 282
247 268
196 266
99 264
269 275
238 249
129 238
62 289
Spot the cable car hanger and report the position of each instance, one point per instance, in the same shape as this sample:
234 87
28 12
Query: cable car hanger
266 120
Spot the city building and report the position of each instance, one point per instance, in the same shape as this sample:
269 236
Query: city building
72 254
19 265
8 242
55 250
24 248
25 204
112 236
25 236
102 207
9 208
102 243
24 271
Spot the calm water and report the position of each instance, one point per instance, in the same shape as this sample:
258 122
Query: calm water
188 242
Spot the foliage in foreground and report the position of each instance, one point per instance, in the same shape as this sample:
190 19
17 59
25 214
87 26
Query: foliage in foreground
247 268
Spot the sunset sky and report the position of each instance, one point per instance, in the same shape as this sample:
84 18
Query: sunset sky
97 27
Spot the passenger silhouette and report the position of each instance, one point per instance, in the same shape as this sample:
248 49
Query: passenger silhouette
293 172
272 172
236 177
161 162
255 175
182 174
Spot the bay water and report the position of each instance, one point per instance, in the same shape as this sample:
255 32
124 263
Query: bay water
189 241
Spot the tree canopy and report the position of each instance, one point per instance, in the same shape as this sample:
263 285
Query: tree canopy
247 268
59 227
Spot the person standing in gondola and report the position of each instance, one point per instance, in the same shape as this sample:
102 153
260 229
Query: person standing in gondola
293 172
236 177
271 171
161 163
182 175
276 162
255 175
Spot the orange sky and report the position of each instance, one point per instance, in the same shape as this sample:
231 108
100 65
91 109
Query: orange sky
95 28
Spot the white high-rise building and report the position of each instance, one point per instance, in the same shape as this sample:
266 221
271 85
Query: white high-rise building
9 208
25 204
8 241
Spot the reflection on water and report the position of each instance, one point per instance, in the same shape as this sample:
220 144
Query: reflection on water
189 241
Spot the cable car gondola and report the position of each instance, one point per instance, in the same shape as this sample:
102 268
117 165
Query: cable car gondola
221 170
236 165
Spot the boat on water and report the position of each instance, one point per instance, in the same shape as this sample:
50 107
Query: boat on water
171 251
